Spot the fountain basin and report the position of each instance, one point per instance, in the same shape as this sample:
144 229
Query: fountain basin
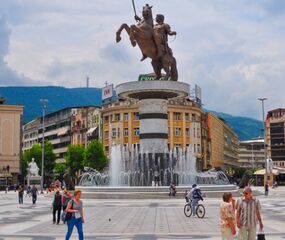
161 192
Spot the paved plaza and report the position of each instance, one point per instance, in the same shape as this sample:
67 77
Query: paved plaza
130 219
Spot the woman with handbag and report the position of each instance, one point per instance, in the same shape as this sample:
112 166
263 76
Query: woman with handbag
75 215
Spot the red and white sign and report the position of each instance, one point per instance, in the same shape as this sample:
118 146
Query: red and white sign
107 92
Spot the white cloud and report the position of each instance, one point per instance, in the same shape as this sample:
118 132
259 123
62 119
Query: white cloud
234 50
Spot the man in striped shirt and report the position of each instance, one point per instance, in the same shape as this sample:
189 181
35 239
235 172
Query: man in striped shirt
248 215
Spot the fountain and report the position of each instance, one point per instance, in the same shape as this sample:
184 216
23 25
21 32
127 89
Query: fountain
137 169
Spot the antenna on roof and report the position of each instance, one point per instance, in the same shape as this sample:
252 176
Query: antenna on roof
87 82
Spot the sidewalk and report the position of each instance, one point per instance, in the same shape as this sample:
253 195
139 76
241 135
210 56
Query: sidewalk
130 219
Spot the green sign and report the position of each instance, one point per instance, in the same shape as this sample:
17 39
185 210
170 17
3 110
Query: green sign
149 77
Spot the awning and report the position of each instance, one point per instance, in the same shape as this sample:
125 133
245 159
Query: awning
274 171
62 131
91 131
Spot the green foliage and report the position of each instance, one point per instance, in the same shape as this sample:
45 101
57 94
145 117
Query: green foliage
74 159
49 158
36 153
95 156
60 168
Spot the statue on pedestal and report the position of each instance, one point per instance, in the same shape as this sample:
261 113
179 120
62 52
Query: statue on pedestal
153 42
33 170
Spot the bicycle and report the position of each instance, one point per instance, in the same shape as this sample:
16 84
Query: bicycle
200 210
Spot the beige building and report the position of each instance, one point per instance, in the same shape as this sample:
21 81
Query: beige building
64 127
224 143
251 153
10 142
121 125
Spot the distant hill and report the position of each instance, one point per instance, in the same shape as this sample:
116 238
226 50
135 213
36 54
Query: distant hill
246 128
60 97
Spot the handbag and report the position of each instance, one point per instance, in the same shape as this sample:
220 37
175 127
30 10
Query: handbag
68 215
260 235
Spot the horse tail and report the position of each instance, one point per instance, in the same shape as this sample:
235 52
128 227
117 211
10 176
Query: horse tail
174 72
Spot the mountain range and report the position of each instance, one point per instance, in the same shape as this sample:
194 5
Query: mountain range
60 97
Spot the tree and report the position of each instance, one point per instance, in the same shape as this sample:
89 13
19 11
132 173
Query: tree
49 158
60 169
95 156
36 153
74 158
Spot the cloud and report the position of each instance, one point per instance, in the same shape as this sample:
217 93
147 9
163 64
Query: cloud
234 50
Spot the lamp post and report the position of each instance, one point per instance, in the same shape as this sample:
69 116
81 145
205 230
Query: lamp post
264 136
44 107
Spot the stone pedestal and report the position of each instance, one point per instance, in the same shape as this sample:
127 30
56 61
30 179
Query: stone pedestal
153 97
33 180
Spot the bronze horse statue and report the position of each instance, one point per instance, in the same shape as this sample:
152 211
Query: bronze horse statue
143 34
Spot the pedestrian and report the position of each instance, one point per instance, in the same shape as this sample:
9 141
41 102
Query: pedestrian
248 215
20 194
172 189
66 197
75 206
56 205
266 189
227 217
34 192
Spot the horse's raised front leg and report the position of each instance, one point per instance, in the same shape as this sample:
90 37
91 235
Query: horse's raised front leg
118 33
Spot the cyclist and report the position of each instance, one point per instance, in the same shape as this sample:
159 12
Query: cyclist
196 196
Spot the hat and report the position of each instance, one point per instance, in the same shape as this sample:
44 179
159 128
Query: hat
247 189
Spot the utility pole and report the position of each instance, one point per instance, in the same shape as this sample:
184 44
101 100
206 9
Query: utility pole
264 136
44 106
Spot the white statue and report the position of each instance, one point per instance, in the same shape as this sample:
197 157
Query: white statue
33 169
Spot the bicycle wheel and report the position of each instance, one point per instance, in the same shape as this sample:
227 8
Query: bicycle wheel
187 210
200 211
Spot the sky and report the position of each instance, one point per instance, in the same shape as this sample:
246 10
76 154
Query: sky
233 49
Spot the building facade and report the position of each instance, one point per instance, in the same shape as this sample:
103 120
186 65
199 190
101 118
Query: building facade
251 154
121 125
62 128
224 143
10 142
275 136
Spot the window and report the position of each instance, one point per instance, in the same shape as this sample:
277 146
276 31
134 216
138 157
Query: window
177 116
118 132
136 116
113 132
126 116
177 132
177 147
107 135
198 148
117 117
193 117
198 132
106 119
136 131
187 117
126 132
187 132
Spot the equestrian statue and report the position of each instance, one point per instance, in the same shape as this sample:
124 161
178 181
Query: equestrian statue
153 42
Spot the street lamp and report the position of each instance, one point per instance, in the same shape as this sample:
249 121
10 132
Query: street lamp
44 103
264 136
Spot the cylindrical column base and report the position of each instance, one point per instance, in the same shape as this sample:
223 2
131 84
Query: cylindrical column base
153 125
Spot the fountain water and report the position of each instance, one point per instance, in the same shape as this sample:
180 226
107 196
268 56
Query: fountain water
137 168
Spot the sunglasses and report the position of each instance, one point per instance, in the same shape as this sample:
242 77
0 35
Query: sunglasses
245 193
